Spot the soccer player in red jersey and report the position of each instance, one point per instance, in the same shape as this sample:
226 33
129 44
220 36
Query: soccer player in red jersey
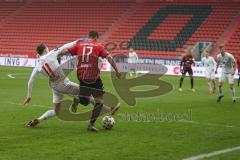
186 67
88 72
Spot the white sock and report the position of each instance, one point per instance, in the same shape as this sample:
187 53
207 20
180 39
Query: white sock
48 114
233 93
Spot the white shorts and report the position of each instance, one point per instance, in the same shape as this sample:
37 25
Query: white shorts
210 74
61 88
227 76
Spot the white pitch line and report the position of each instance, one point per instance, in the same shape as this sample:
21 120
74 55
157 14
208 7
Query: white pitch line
210 124
20 104
11 76
212 154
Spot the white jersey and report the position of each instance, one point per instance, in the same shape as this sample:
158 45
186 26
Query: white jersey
209 63
133 57
49 66
227 62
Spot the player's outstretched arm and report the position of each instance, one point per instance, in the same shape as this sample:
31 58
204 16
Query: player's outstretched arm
63 52
64 49
113 64
30 85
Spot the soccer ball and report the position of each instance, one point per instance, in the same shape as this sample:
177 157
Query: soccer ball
108 122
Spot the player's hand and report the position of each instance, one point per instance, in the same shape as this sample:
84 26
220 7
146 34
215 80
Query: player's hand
26 101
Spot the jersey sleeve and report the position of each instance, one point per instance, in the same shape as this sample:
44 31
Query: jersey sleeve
31 80
68 45
73 50
102 52
182 61
232 58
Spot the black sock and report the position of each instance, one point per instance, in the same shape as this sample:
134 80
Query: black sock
181 81
95 113
191 82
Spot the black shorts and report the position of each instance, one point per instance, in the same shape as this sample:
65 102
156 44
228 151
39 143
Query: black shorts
88 88
189 71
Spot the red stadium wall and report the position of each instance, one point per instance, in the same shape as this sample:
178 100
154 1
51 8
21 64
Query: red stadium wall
24 24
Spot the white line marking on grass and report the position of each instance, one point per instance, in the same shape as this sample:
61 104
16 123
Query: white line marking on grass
11 76
20 104
211 124
212 154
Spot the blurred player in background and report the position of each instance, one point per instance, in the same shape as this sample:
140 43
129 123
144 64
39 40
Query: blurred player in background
228 70
210 65
238 66
89 74
132 58
186 67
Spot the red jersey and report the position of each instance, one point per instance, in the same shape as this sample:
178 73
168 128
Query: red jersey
238 63
187 61
88 54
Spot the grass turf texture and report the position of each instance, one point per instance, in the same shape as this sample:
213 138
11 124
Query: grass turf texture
213 127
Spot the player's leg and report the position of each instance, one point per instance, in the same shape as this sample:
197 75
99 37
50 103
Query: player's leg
212 76
238 77
181 79
98 92
95 113
214 84
190 72
135 71
209 81
72 89
48 114
210 90
57 97
232 88
221 82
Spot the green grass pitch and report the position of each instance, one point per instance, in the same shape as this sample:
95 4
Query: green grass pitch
212 127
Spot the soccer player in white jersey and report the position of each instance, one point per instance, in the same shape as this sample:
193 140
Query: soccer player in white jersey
132 58
228 70
210 65
49 66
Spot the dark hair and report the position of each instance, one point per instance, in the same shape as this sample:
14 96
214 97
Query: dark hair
40 48
221 46
93 34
